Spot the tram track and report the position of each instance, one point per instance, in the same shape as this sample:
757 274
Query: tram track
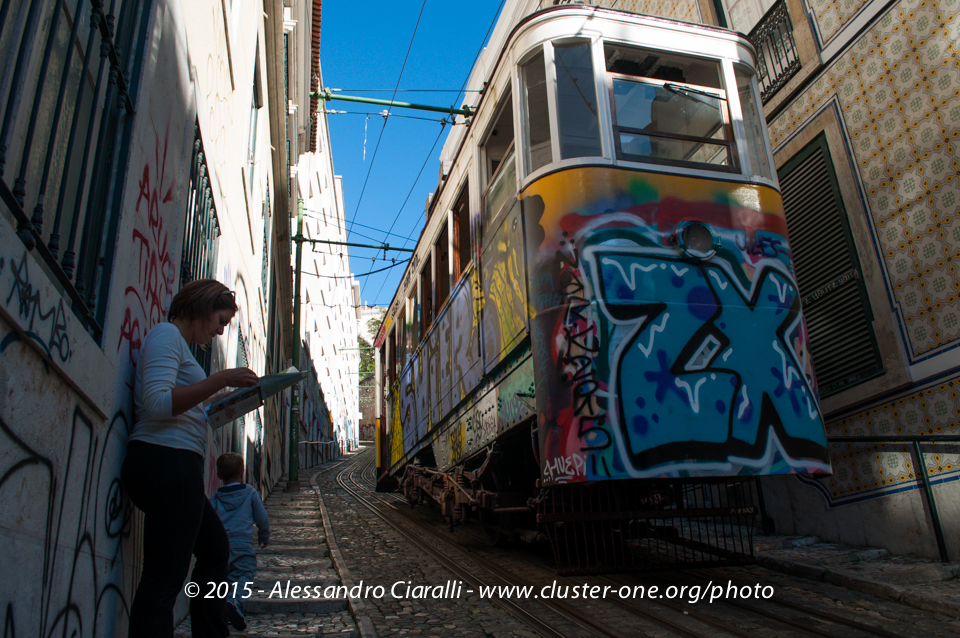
461 572
565 610
695 623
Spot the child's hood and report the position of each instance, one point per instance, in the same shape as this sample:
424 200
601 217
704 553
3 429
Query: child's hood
234 496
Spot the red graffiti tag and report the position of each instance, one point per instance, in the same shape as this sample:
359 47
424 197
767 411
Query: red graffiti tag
146 296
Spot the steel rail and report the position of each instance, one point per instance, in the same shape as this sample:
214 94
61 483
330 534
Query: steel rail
833 618
509 577
695 615
461 573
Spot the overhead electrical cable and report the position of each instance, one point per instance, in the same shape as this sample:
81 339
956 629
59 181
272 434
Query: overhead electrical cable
372 272
462 90
408 90
382 129
410 192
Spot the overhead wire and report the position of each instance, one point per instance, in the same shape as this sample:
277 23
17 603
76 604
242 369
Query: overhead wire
385 115
372 272
382 129
409 193
463 88
409 90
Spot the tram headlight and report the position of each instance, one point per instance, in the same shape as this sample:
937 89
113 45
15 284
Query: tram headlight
696 240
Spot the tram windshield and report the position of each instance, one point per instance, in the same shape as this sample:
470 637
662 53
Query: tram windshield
669 108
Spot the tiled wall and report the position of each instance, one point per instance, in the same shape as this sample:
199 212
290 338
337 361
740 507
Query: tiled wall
897 91
868 470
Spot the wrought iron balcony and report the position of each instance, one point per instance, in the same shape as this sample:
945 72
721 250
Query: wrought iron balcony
777 56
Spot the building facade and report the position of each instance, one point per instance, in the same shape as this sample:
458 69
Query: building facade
329 296
144 145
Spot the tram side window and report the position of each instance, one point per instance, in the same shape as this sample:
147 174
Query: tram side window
669 109
394 360
443 267
498 153
384 370
752 122
576 101
426 294
402 337
461 233
414 322
536 116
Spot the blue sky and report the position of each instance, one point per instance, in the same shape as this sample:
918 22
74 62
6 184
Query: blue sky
362 47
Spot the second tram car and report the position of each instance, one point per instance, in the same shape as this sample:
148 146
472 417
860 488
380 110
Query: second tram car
599 338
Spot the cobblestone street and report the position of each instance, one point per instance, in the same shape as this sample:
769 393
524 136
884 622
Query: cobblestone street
324 538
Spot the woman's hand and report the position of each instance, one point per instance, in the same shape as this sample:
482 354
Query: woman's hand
186 397
237 377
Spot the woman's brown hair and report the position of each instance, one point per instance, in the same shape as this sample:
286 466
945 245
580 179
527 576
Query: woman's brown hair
201 298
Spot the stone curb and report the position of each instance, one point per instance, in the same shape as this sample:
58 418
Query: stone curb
895 593
358 608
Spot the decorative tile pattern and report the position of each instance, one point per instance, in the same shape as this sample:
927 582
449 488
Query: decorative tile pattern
683 10
897 89
869 470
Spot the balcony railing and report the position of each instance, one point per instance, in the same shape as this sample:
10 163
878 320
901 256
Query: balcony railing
777 56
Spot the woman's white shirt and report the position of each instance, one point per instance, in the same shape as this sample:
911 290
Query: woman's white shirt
165 363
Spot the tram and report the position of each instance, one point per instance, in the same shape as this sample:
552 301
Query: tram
599 338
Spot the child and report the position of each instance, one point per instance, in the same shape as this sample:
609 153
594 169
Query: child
239 507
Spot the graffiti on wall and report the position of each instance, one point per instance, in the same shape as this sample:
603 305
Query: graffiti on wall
44 324
74 529
147 298
648 364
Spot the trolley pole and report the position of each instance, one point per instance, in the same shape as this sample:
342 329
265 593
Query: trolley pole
293 482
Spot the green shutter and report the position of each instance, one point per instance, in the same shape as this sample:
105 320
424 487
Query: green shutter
834 299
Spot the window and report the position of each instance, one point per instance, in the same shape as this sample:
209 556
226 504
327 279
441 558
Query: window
267 226
461 233
415 335
536 117
576 101
500 163
669 109
745 14
394 362
403 340
66 139
753 124
201 237
426 294
256 102
834 299
443 267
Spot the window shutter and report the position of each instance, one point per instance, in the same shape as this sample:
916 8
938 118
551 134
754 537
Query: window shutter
834 299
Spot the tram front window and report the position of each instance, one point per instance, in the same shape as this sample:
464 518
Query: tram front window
669 108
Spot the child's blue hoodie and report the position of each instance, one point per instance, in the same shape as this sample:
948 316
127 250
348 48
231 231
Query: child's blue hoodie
239 507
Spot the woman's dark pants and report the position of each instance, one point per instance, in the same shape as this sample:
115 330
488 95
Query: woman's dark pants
167 485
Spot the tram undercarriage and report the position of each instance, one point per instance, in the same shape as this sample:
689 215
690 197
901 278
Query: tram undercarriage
596 527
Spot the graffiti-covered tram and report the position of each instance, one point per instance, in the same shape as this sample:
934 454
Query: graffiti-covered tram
599 338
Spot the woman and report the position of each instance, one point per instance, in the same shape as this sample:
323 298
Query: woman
163 470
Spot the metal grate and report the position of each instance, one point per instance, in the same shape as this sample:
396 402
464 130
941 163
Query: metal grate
834 300
267 225
777 56
67 107
201 231
623 526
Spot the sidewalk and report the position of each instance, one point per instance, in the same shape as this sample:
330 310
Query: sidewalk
298 554
925 584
